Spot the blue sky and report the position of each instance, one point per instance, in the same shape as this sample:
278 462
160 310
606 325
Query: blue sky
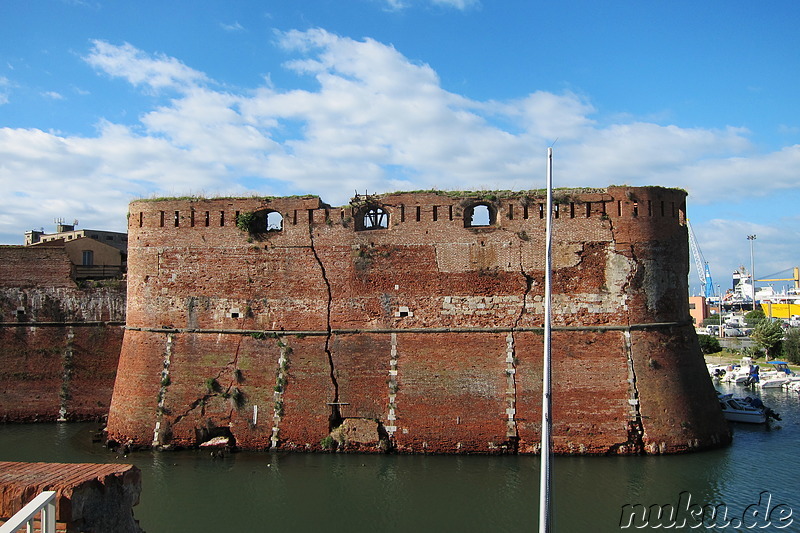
103 102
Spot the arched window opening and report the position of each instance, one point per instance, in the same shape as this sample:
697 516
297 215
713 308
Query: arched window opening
260 222
479 215
375 218
274 221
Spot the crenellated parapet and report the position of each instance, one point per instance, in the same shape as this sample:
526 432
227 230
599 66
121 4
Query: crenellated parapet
485 210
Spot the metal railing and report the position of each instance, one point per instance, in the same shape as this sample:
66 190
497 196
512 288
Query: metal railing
96 271
45 505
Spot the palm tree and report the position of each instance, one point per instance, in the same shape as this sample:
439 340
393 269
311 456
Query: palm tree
768 334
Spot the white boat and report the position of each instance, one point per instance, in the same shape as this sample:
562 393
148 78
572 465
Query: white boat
739 376
779 375
772 382
737 410
750 410
716 371
742 374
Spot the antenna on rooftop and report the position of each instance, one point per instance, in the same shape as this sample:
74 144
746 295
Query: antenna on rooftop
75 222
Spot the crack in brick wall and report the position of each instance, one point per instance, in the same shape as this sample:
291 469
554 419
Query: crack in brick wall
336 416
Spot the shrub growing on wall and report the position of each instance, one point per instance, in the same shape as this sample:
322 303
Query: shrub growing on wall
245 221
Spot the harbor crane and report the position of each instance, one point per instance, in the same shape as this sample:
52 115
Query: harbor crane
700 263
795 277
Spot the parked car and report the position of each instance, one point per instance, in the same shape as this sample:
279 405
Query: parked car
733 332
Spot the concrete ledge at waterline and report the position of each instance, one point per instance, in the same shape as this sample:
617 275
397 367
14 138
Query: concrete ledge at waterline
89 497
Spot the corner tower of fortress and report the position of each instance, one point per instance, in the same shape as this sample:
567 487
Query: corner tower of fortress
413 322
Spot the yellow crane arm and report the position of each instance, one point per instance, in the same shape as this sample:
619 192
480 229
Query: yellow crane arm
796 278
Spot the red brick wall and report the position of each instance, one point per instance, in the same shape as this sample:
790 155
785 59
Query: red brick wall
35 266
59 354
59 344
429 327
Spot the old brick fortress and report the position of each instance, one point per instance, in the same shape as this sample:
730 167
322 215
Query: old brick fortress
407 322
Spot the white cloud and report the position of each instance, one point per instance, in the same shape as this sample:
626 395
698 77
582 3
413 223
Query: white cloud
232 27
130 63
375 120
53 95
81 3
647 154
751 175
5 85
724 243
396 5
458 4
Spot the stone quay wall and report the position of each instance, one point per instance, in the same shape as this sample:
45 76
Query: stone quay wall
59 343
89 497
404 322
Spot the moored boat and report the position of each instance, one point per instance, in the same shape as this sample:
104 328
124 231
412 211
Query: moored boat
716 371
779 375
772 382
743 374
748 410
736 410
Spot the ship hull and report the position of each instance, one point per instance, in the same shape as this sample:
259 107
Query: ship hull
781 310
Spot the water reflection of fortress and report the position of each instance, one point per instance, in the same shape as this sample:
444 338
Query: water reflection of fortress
412 321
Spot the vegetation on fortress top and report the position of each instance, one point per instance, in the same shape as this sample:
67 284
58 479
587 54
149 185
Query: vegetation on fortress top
200 198
559 194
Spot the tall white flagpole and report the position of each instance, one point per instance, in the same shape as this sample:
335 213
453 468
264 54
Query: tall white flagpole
547 421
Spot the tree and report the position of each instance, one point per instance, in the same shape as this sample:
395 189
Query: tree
709 344
768 334
791 345
754 318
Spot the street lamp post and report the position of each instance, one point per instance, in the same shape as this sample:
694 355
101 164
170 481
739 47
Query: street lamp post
752 238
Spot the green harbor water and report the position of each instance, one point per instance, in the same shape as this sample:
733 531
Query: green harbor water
189 491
